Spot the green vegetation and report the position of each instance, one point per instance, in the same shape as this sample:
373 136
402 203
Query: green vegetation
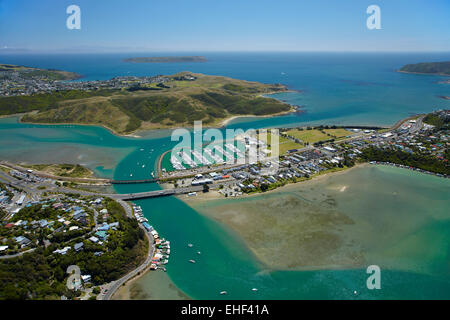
63 170
8 193
42 274
428 67
166 59
435 120
44 102
50 74
311 135
178 102
415 160
285 144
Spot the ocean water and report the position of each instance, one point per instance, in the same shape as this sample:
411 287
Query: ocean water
336 88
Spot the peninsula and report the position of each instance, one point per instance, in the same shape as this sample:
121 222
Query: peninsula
17 72
127 104
437 68
166 59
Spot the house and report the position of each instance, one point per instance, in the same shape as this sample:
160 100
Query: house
79 215
93 239
78 246
57 205
3 248
22 241
101 235
73 228
104 211
62 251
114 225
86 278
104 227
43 223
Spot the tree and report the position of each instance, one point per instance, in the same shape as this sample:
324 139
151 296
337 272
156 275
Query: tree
205 188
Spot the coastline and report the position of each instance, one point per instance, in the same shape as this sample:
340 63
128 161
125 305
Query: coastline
136 134
215 195
226 121
424 73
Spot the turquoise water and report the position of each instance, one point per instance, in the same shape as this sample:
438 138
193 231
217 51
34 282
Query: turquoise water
340 89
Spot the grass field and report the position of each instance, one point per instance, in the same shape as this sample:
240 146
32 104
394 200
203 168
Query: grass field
315 135
285 144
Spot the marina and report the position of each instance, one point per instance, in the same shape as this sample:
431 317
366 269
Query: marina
162 246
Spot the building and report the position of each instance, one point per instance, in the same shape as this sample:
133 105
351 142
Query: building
93 239
21 200
22 241
101 235
62 251
78 246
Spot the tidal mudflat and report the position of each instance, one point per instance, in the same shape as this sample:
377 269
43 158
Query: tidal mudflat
367 215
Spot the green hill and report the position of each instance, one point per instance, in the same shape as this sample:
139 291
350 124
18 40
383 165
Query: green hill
441 68
179 102
50 74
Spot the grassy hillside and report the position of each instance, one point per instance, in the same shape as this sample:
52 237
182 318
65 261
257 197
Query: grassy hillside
178 103
49 74
428 67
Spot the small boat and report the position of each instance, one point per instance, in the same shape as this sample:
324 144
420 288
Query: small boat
142 149
143 166
254 289
198 252
192 261
223 292
131 174
190 245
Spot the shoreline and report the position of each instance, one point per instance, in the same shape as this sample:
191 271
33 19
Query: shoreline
424 73
215 195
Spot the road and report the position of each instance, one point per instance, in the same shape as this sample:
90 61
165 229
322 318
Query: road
113 286
17 254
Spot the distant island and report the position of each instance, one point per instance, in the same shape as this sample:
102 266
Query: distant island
437 68
166 59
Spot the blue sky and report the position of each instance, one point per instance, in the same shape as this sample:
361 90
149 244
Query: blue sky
225 25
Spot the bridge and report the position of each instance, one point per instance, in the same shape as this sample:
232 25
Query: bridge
134 181
154 194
